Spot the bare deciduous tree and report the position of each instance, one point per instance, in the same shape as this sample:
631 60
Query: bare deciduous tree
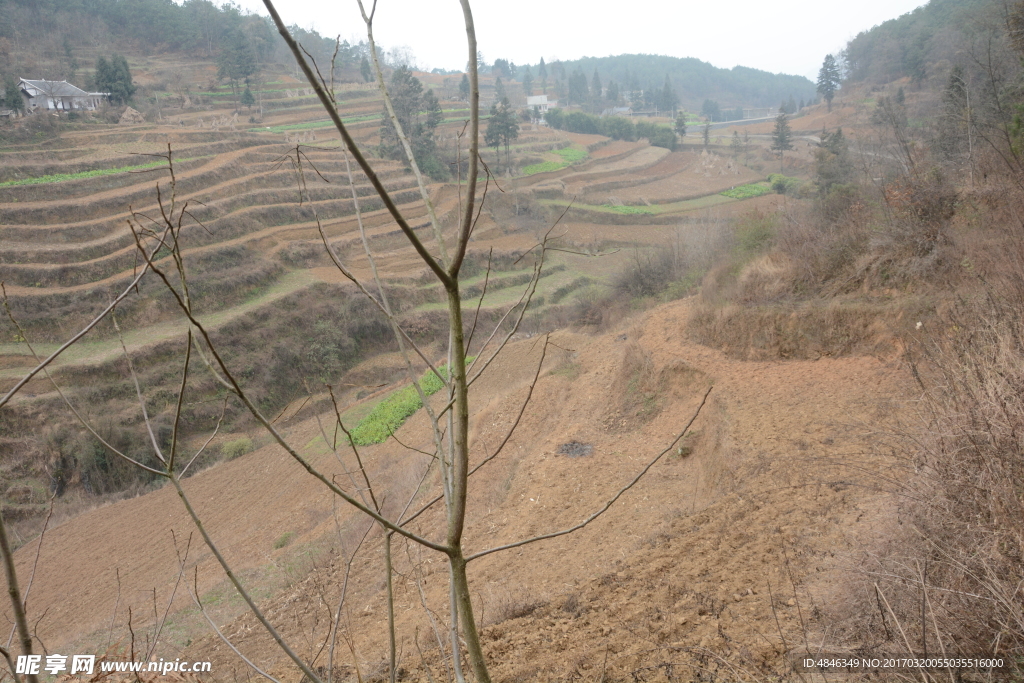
449 417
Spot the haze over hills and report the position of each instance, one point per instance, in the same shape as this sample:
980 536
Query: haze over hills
694 80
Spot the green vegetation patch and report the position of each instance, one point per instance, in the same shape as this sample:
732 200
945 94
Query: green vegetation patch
782 184
747 191
630 210
543 167
570 156
58 177
392 412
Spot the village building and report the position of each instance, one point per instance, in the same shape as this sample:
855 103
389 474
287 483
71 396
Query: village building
540 102
58 95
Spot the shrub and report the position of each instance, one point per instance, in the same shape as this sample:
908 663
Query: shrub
234 449
781 184
754 232
284 540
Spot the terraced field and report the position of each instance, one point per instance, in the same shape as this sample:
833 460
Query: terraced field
259 275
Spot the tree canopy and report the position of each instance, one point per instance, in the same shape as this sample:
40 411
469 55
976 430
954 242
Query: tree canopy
419 114
114 77
828 79
502 128
691 79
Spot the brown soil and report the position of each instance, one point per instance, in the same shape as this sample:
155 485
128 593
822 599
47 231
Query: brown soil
683 561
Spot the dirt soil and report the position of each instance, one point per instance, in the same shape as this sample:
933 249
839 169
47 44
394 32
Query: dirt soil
759 502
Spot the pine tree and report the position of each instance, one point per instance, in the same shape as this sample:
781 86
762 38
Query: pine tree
668 99
114 77
680 126
365 71
464 87
12 95
527 81
542 74
791 106
782 139
735 145
502 128
595 87
247 99
828 79
613 92
707 134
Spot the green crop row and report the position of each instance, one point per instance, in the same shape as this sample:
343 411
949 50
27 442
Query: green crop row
630 210
543 167
58 177
392 412
747 191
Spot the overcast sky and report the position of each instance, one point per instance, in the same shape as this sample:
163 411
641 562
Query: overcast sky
782 36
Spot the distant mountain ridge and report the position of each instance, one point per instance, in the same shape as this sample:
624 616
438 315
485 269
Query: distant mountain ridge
692 80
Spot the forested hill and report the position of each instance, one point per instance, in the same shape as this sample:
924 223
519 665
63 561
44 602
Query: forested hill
45 37
914 44
692 80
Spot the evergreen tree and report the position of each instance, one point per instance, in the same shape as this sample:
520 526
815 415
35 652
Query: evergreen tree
12 95
464 87
833 165
711 111
237 62
502 129
542 74
735 145
668 100
613 92
527 81
247 99
956 120
782 139
419 114
791 106
828 79
680 126
114 77
596 87
499 89
901 98
501 68
801 104
706 134
365 70
578 90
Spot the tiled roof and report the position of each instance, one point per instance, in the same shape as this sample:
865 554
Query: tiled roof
52 88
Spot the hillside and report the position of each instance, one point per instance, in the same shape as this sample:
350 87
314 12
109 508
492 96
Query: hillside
850 485
692 80
915 44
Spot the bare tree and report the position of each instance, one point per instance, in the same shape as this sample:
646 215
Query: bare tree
449 417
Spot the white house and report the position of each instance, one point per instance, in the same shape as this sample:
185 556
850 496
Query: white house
58 95
541 102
